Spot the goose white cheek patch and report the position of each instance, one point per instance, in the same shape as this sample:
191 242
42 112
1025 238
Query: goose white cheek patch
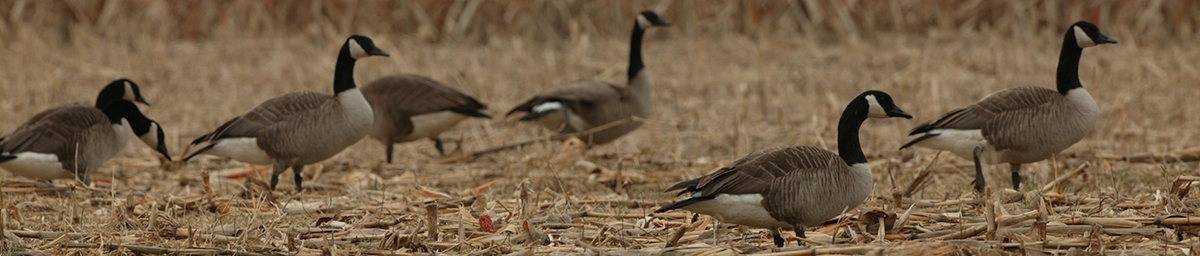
356 50
874 109
643 22
1082 38
129 92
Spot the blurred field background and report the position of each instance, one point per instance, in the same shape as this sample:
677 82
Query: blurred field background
730 77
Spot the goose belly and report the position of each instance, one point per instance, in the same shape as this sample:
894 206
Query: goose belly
744 210
960 142
39 166
244 150
552 118
431 124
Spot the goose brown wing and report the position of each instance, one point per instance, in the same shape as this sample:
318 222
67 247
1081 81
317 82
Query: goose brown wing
403 96
269 113
976 115
52 131
755 172
576 95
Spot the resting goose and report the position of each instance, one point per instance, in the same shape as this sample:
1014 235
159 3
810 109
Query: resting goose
585 104
1022 124
299 128
792 187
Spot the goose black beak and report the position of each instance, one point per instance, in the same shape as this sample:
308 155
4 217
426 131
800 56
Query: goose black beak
377 52
162 149
142 100
1104 39
897 112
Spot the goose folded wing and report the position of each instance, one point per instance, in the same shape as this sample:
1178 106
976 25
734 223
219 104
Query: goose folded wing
271 112
976 115
53 130
411 95
576 95
756 172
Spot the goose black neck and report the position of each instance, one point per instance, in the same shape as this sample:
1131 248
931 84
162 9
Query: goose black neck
849 147
107 96
343 74
635 51
1068 64
124 109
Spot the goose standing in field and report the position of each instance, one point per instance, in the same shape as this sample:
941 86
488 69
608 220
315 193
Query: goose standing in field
792 187
69 142
410 107
1023 124
585 104
149 132
299 128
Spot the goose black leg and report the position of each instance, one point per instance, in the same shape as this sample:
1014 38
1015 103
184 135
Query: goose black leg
980 184
1016 176
799 229
438 144
390 148
779 242
299 179
279 167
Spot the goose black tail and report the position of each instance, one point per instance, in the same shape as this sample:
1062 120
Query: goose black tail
918 139
4 157
472 113
201 150
684 203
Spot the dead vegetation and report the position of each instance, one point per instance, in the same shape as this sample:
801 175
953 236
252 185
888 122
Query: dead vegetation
730 78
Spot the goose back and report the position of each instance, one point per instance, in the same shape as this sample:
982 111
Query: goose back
397 99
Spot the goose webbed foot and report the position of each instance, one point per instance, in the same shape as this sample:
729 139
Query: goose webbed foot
777 238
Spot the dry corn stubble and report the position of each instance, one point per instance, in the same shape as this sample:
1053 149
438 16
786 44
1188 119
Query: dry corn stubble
730 78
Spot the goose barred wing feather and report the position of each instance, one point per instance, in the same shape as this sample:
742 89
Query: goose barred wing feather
977 115
414 95
757 172
52 130
273 112
576 95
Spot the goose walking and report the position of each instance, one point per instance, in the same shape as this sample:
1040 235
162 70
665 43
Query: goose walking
410 107
585 104
69 142
792 187
1022 124
299 128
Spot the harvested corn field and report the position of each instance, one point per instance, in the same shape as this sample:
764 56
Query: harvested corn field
728 79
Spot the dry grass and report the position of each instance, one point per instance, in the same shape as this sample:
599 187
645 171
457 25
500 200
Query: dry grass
719 95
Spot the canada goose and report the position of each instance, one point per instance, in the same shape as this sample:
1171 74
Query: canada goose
409 107
124 89
1022 124
69 142
792 187
584 104
299 128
